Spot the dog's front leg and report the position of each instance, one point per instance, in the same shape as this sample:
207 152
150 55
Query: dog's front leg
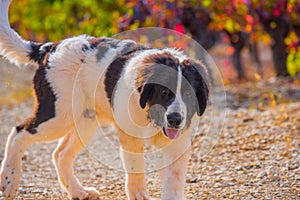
136 186
133 163
173 178
174 164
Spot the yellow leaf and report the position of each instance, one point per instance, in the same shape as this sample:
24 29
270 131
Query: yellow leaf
257 76
239 115
282 108
273 25
248 28
272 103
288 139
143 39
266 39
226 81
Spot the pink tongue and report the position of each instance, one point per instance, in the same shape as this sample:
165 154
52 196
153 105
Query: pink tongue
172 133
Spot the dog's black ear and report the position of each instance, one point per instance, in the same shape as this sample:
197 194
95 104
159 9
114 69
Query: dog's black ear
202 97
145 94
202 90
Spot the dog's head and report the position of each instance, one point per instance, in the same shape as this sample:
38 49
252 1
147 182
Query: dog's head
172 91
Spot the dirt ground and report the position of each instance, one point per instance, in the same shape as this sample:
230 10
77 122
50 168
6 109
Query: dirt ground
257 155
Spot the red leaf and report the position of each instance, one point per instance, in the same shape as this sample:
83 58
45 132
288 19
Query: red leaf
276 12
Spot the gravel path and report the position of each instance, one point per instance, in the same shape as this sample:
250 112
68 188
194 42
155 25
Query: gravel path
257 157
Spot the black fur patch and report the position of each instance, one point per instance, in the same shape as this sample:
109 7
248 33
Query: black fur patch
45 102
158 72
197 80
102 44
41 51
115 70
157 81
44 96
94 42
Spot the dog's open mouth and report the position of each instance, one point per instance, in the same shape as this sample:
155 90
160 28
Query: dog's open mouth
171 133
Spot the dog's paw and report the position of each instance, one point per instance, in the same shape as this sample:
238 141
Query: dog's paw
138 195
9 180
136 188
7 188
87 194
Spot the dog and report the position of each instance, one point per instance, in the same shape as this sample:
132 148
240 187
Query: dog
150 95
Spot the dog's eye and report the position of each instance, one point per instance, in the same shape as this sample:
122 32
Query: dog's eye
188 93
164 91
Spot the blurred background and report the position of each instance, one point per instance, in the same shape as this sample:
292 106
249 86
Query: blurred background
249 40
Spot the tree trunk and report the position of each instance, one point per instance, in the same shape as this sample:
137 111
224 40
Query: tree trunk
278 29
280 54
238 41
255 55
197 21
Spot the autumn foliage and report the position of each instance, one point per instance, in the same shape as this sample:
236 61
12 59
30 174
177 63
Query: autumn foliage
274 22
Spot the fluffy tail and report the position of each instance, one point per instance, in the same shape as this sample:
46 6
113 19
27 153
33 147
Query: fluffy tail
12 46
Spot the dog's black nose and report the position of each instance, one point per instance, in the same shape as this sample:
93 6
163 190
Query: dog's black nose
174 119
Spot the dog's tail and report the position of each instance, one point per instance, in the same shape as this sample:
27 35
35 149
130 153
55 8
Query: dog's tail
12 46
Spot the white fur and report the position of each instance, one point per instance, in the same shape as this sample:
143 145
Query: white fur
130 72
11 171
177 53
77 80
129 116
173 178
12 46
178 106
65 153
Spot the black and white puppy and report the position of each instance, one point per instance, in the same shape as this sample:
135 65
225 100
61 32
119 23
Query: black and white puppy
151 96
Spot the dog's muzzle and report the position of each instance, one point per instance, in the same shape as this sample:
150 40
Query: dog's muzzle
174 120
173 128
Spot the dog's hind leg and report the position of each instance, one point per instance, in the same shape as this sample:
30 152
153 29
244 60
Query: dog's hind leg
17 143
64 155
11 164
